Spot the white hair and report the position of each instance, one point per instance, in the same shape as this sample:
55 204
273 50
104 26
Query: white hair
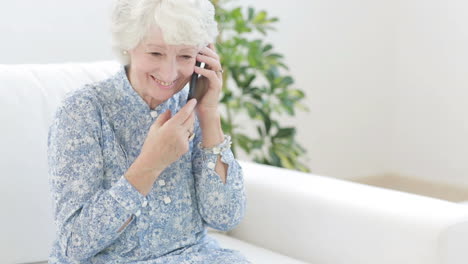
182 22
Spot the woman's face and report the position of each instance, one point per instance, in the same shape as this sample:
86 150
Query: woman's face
157 71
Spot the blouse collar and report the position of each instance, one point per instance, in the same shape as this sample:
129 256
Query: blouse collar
131 97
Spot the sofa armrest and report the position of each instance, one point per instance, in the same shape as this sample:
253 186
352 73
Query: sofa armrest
325 220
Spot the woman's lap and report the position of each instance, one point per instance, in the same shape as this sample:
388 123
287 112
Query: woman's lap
208 251
211 252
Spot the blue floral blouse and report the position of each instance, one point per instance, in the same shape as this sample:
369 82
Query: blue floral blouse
97 133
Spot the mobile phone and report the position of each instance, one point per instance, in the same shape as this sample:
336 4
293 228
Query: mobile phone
193 83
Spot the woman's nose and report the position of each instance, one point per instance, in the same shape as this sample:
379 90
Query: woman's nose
168 71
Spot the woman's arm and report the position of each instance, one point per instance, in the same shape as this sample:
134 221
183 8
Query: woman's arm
218 176
221 199
213 135
166 142
88 217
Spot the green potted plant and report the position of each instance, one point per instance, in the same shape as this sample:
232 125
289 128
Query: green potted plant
256 83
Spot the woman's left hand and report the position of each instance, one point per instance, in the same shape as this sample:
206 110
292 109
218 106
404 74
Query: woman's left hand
210 83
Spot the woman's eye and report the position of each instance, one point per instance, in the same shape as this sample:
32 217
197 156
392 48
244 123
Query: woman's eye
187 57
155 53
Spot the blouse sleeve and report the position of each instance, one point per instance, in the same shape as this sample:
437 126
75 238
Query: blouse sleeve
87 216
221 205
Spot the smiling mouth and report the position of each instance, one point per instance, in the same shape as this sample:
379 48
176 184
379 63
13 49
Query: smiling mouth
166 84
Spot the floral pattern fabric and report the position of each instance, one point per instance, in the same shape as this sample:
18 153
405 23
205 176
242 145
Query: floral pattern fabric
96 134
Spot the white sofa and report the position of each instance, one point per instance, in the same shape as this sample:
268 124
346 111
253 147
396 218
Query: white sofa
291 217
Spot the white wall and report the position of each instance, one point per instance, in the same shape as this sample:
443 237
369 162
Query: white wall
341 53
430 128
384 78
50 31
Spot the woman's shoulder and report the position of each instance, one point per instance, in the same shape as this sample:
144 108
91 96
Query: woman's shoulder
90 97
81 107
80 100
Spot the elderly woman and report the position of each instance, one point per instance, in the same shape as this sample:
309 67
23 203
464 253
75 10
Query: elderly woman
137 172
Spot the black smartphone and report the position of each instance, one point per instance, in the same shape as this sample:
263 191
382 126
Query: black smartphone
193 83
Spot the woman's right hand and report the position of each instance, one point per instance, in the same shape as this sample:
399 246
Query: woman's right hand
167 140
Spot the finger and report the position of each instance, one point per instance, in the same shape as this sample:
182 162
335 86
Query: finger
212 63
210 51
184 112
188 124
211 75
163 118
